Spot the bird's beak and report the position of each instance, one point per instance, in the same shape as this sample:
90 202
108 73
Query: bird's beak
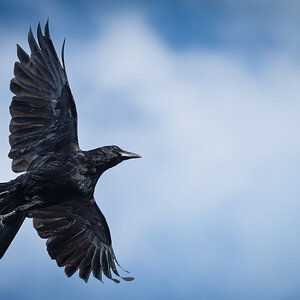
128 155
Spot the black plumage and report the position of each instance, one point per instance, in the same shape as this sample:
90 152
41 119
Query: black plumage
57 188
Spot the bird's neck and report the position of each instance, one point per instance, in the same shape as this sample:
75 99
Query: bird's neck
96 163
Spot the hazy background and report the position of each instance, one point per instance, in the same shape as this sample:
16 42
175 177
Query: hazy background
208 93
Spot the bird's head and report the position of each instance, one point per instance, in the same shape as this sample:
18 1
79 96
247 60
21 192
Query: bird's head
110 156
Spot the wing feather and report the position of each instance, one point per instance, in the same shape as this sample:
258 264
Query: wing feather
43 111
78 239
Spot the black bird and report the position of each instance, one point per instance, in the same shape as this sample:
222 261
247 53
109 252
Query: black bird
57 188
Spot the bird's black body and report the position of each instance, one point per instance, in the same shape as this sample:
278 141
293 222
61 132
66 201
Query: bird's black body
57 188
72 176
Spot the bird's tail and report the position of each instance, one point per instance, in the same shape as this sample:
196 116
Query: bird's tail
9 199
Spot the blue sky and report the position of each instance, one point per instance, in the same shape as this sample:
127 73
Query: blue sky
208 93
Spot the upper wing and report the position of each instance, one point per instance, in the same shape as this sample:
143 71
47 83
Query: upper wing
78 238
44 117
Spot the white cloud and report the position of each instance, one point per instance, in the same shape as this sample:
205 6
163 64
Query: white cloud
220 146
213 129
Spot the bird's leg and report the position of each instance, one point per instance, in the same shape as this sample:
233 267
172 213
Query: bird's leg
36 201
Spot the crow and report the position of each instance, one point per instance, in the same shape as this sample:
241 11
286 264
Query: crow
59 179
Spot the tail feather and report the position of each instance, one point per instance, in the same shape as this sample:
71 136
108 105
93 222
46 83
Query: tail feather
8 233
9 199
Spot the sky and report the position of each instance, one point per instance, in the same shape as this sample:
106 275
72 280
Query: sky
208 93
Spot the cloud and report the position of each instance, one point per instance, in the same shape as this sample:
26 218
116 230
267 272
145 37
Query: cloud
216 134
213 202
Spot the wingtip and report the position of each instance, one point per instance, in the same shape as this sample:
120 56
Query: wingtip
121 266
99 277
115 280
85 280
47 32
39 29
40 35
64 43
63 54
30 35
22 55
128 278
30 31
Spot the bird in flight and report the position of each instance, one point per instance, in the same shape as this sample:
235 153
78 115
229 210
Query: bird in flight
59 179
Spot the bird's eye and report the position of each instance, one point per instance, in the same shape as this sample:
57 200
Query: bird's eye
115 148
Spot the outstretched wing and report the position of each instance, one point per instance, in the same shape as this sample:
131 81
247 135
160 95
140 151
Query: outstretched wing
44 117
78 238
